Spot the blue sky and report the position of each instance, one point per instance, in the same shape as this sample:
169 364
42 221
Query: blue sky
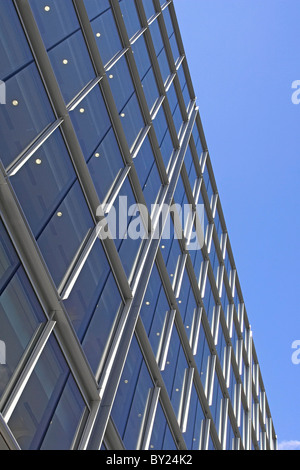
243 56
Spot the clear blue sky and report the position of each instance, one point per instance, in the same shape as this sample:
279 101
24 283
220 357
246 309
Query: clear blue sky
243 56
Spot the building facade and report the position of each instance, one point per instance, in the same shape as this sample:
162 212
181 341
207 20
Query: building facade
122 321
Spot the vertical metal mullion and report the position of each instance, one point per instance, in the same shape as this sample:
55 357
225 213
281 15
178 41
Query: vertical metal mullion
195 330
163 348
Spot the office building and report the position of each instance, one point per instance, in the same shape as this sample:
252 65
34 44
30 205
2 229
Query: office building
122 324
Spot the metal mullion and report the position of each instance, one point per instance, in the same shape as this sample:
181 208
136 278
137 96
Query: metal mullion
204 434
185 398
195 330
27 371
8 436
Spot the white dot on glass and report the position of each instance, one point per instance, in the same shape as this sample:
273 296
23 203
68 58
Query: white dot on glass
47 8
38 161
65 61
111 76
122 114
98 35
59 214
97 155
81 110
15 102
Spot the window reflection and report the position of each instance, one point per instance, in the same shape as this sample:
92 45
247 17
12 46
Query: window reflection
64 234
72 65
14 49
43 181
107 36
50 407
56 19
20 317
130 16
26 114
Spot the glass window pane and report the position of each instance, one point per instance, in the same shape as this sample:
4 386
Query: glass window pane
96 7
149 8
43 181
120 82
63 236
66 419
14 49
163 65
72 66
20 317
101 325
168 21
141 56
91 122
106 164
26 114
150 88
8 257
156 36
107 35
56 19
85 294
132 120
45 399
130 17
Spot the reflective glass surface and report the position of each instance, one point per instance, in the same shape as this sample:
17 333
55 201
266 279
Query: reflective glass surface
65 233
26 114
20 317
91 122
72 65
43 181
14 49
50 408
96 7
120 82
106 164
56 19
132 120
107 36
130 17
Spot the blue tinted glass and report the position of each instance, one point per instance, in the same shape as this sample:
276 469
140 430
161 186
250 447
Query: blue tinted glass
152 187
85 294
105 164
95 7
8 257
149 8
107 36
102 322
149 305
20 316
64 234
168 21
202 355
91 122
38 405
14 49
43 181
130 16
199 417
127 386
166 148
120 82
25 115
174 47
156 37
141 56
55 19
138 410
163 65
65 420
177 118
132 120
161 437
162 308
150 88
172 357
186 95
172 97
177 390
72 65
160 125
